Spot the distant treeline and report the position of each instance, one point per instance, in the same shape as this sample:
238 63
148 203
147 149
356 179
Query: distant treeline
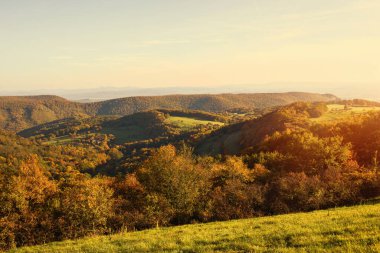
359 102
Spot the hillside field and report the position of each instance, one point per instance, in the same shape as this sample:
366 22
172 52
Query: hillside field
188 123
347 229
338 112
130 128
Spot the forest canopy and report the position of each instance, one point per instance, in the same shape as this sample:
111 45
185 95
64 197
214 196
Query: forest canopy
289 163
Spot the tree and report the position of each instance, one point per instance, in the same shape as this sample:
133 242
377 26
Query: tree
301 151
174 182
115 154
295 192
233 193
26 199
85 205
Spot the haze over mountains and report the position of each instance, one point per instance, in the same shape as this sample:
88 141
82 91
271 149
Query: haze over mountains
343 90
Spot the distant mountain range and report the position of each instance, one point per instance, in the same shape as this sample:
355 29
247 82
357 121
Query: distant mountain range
343 90
22 112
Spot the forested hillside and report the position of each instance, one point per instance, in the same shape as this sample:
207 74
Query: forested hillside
246 136
135 135
189 126
19 113
192 169
209 103
143 126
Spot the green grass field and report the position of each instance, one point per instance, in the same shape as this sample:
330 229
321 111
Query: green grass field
348 229
186 123
136 133
125 134
66 139
338 112
131 131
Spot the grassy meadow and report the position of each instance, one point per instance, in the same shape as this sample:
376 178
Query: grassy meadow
187 123
338 112
67 139
136 133
347 229
125 134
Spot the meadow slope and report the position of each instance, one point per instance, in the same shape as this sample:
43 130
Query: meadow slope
347 229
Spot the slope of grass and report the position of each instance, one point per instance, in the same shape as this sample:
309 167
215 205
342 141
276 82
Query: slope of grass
126 133
339 112
348 229
187 123
66 139
151 125
131 128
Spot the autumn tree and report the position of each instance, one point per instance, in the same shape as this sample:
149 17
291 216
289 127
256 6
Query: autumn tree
233 193
26 199
301 151
84 206
174 183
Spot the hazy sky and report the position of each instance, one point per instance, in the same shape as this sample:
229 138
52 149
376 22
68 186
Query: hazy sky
151 43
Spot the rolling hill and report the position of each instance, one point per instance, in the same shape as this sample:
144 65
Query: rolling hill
141 126
311 163
208 103
19 113
244 137
234 139
337 112
347 229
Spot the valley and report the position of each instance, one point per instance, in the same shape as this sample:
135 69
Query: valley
20 113
92 175
189 126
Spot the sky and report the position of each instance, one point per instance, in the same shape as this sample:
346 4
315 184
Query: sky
71 44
